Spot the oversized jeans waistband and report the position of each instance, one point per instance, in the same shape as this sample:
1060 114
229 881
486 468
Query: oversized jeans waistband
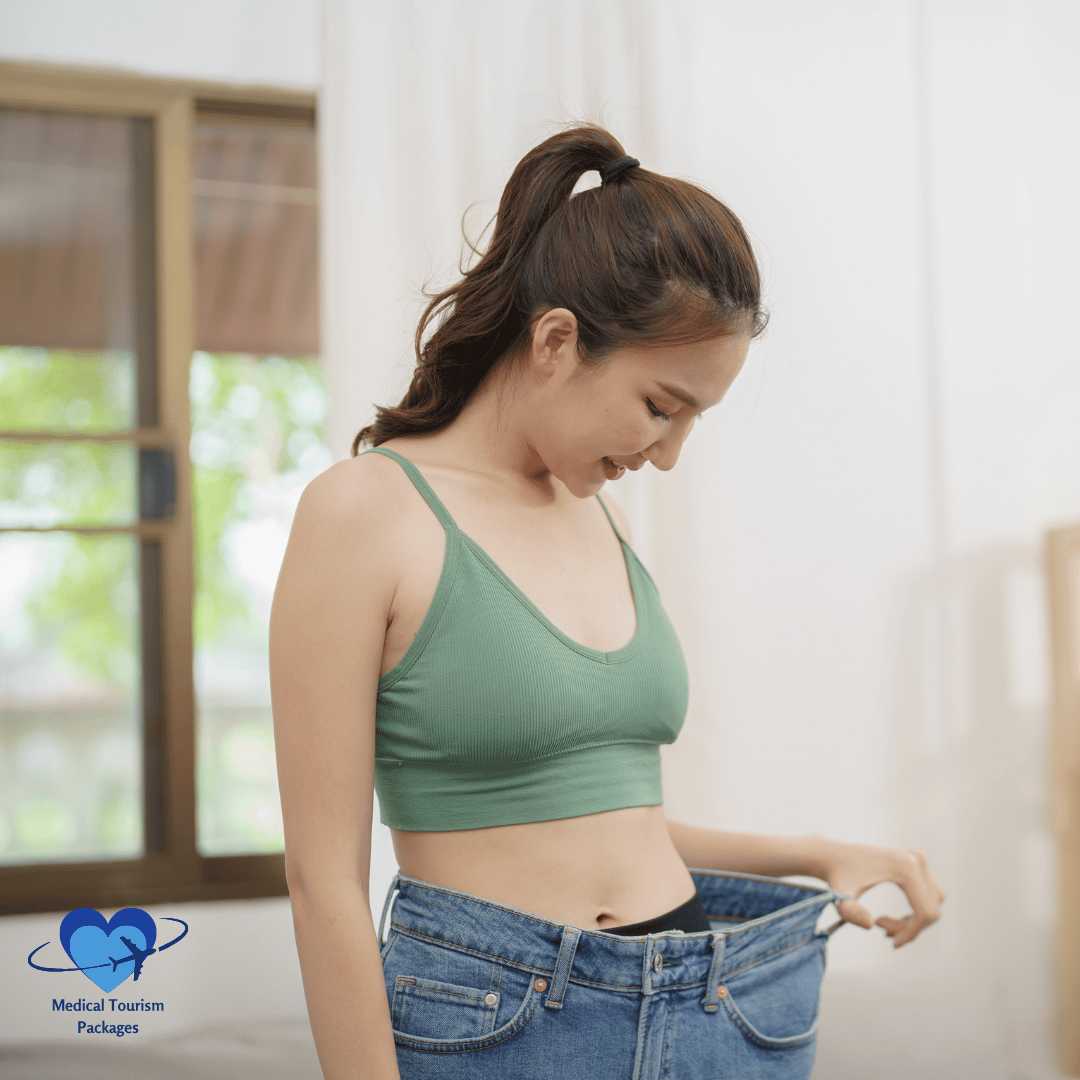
753 918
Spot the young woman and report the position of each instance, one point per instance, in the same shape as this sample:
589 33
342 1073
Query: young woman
462 625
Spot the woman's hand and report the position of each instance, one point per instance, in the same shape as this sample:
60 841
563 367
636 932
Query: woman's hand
854 868
848 868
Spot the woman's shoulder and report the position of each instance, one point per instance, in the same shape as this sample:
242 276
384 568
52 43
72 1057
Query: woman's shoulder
356 486
364 496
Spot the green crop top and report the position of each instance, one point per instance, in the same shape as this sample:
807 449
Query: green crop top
495 717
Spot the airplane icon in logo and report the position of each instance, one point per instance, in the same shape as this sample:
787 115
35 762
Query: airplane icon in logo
91 954
136 954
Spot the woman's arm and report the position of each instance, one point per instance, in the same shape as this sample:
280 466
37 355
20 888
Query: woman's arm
848 868
750 853
327 630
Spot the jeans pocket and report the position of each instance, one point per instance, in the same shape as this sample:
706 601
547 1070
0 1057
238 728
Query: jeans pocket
437 1010
774 1002
443 1000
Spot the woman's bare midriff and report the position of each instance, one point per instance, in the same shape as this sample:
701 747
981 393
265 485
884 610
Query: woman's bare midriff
598 871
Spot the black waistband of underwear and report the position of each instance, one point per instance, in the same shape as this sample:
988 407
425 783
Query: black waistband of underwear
690 918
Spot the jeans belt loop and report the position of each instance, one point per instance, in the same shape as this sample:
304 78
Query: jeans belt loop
711 1002
391 895
567 949
647 966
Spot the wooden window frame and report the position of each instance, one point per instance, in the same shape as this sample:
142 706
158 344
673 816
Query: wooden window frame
176 872
1063 579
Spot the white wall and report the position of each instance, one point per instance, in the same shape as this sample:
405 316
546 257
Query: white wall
240 959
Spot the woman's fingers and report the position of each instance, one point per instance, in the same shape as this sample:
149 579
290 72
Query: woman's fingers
893 927
861 867
853 912
939 892
924 894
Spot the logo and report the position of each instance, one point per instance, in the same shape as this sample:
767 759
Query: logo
108 952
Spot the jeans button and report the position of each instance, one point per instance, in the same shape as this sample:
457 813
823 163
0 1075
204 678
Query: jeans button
491 999
657 963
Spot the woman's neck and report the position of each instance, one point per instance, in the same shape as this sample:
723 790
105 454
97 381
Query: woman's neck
490 434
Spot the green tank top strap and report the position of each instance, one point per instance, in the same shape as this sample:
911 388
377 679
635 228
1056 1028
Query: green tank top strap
435 502
614 527
420 484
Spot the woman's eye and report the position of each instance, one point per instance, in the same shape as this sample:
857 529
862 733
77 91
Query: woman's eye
655 411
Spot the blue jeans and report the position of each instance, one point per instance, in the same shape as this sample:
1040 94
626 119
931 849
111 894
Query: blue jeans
477 989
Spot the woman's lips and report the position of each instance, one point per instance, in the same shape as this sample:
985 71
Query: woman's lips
613 470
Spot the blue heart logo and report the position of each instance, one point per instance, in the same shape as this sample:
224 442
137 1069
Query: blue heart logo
113 950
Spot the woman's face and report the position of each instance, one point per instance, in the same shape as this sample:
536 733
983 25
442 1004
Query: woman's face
591 424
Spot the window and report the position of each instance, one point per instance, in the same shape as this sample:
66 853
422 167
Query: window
161 407
258 410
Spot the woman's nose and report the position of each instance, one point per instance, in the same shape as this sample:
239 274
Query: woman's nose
664 453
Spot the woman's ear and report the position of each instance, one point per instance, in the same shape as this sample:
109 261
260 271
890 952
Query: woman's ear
554 341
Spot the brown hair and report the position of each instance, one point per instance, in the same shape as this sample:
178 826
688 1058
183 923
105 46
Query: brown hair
643 260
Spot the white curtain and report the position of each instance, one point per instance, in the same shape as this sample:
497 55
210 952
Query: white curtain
850 545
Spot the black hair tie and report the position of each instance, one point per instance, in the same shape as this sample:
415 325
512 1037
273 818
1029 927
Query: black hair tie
616 168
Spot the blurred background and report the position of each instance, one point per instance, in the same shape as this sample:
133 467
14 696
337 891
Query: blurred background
215 223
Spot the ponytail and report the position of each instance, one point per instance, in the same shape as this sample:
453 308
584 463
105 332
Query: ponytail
644 259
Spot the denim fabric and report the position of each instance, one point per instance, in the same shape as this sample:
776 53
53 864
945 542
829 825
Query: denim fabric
480 990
